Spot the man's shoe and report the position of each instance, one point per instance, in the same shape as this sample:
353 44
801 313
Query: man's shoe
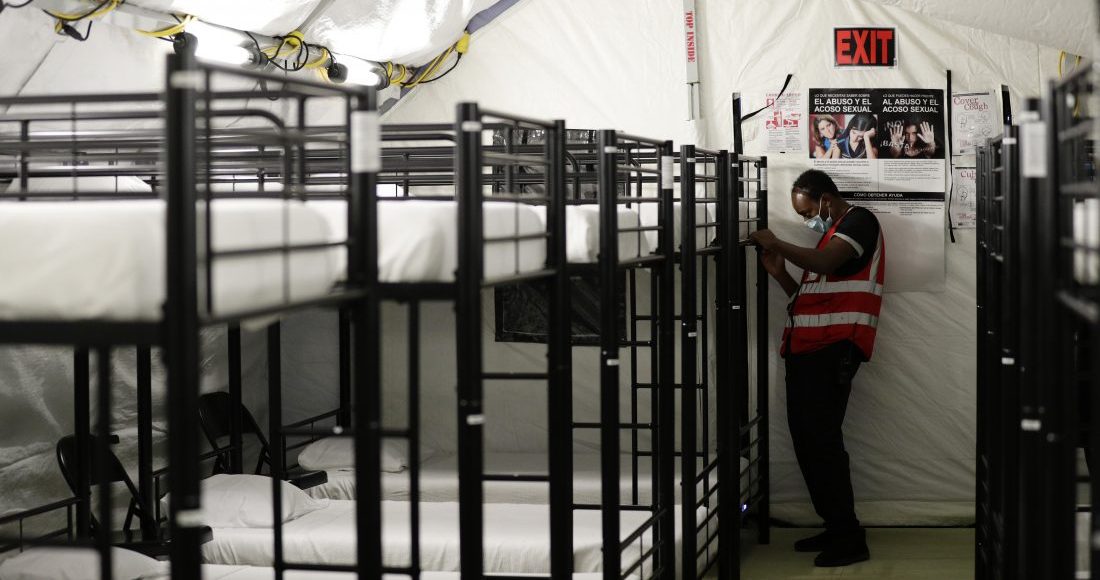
844 552
816 543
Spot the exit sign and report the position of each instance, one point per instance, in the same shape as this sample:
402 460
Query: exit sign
865 47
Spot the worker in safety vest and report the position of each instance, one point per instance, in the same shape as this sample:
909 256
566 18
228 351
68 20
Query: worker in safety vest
830 331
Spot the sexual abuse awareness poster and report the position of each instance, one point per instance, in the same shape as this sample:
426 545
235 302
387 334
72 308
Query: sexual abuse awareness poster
885 150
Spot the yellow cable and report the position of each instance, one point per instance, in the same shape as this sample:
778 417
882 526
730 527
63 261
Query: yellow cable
428 74
431 68
287 46
319 62
171 30
70 16
399 79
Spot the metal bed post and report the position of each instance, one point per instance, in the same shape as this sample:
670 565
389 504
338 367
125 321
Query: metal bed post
1009 325
365 319
993 394
236 444
101 451
275 456
762 350
729 503
560 355
739 377
981 468
1031 367
145 442
666 350
82 386
1059 541
688 362
414 438
468 341
609 354
343 417
181 316
740 374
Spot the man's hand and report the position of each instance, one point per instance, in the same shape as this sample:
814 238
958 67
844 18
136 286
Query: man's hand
774 263
764 238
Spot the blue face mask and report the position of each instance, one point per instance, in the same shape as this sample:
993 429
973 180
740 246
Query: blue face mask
819 224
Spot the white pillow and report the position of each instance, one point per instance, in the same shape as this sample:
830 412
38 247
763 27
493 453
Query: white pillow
244 501
339 453
78 564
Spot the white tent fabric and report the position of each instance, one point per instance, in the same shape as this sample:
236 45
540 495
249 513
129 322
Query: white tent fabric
911 419
1062 24
604 65
406 31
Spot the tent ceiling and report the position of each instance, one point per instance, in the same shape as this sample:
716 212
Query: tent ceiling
406 31
1063 24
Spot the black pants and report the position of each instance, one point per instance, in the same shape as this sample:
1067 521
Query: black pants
818 385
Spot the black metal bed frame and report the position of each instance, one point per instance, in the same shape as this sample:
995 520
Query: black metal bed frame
192 150
1070 311
700 167
740 182
624 163
1037 322
998 500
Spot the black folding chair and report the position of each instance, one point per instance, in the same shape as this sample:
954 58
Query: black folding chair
105 476
215 416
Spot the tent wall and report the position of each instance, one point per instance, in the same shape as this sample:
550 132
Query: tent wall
910 429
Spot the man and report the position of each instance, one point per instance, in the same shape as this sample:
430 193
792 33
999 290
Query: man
830 332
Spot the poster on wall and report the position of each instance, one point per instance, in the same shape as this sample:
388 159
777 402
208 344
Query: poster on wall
884 148
974 119
964 208
783 122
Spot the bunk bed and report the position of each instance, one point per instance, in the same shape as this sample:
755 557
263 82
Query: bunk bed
435 478
628 227
1070 311
196 267
997 532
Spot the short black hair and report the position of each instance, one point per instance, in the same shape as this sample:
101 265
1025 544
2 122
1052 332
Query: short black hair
815 183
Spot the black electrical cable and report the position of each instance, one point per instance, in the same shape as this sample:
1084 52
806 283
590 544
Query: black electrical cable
445 73
4 5
72 32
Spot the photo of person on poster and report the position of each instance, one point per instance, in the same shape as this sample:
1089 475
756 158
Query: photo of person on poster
912 137
857 141
824 137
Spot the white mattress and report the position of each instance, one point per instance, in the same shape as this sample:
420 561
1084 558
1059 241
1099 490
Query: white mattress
227 572
418 240
704 213
1086 231
439 480
87 183
582 233
517 538
106 260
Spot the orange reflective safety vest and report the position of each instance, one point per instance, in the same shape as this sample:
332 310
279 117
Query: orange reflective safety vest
829 309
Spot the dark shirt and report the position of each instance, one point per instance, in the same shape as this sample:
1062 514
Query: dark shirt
860 229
